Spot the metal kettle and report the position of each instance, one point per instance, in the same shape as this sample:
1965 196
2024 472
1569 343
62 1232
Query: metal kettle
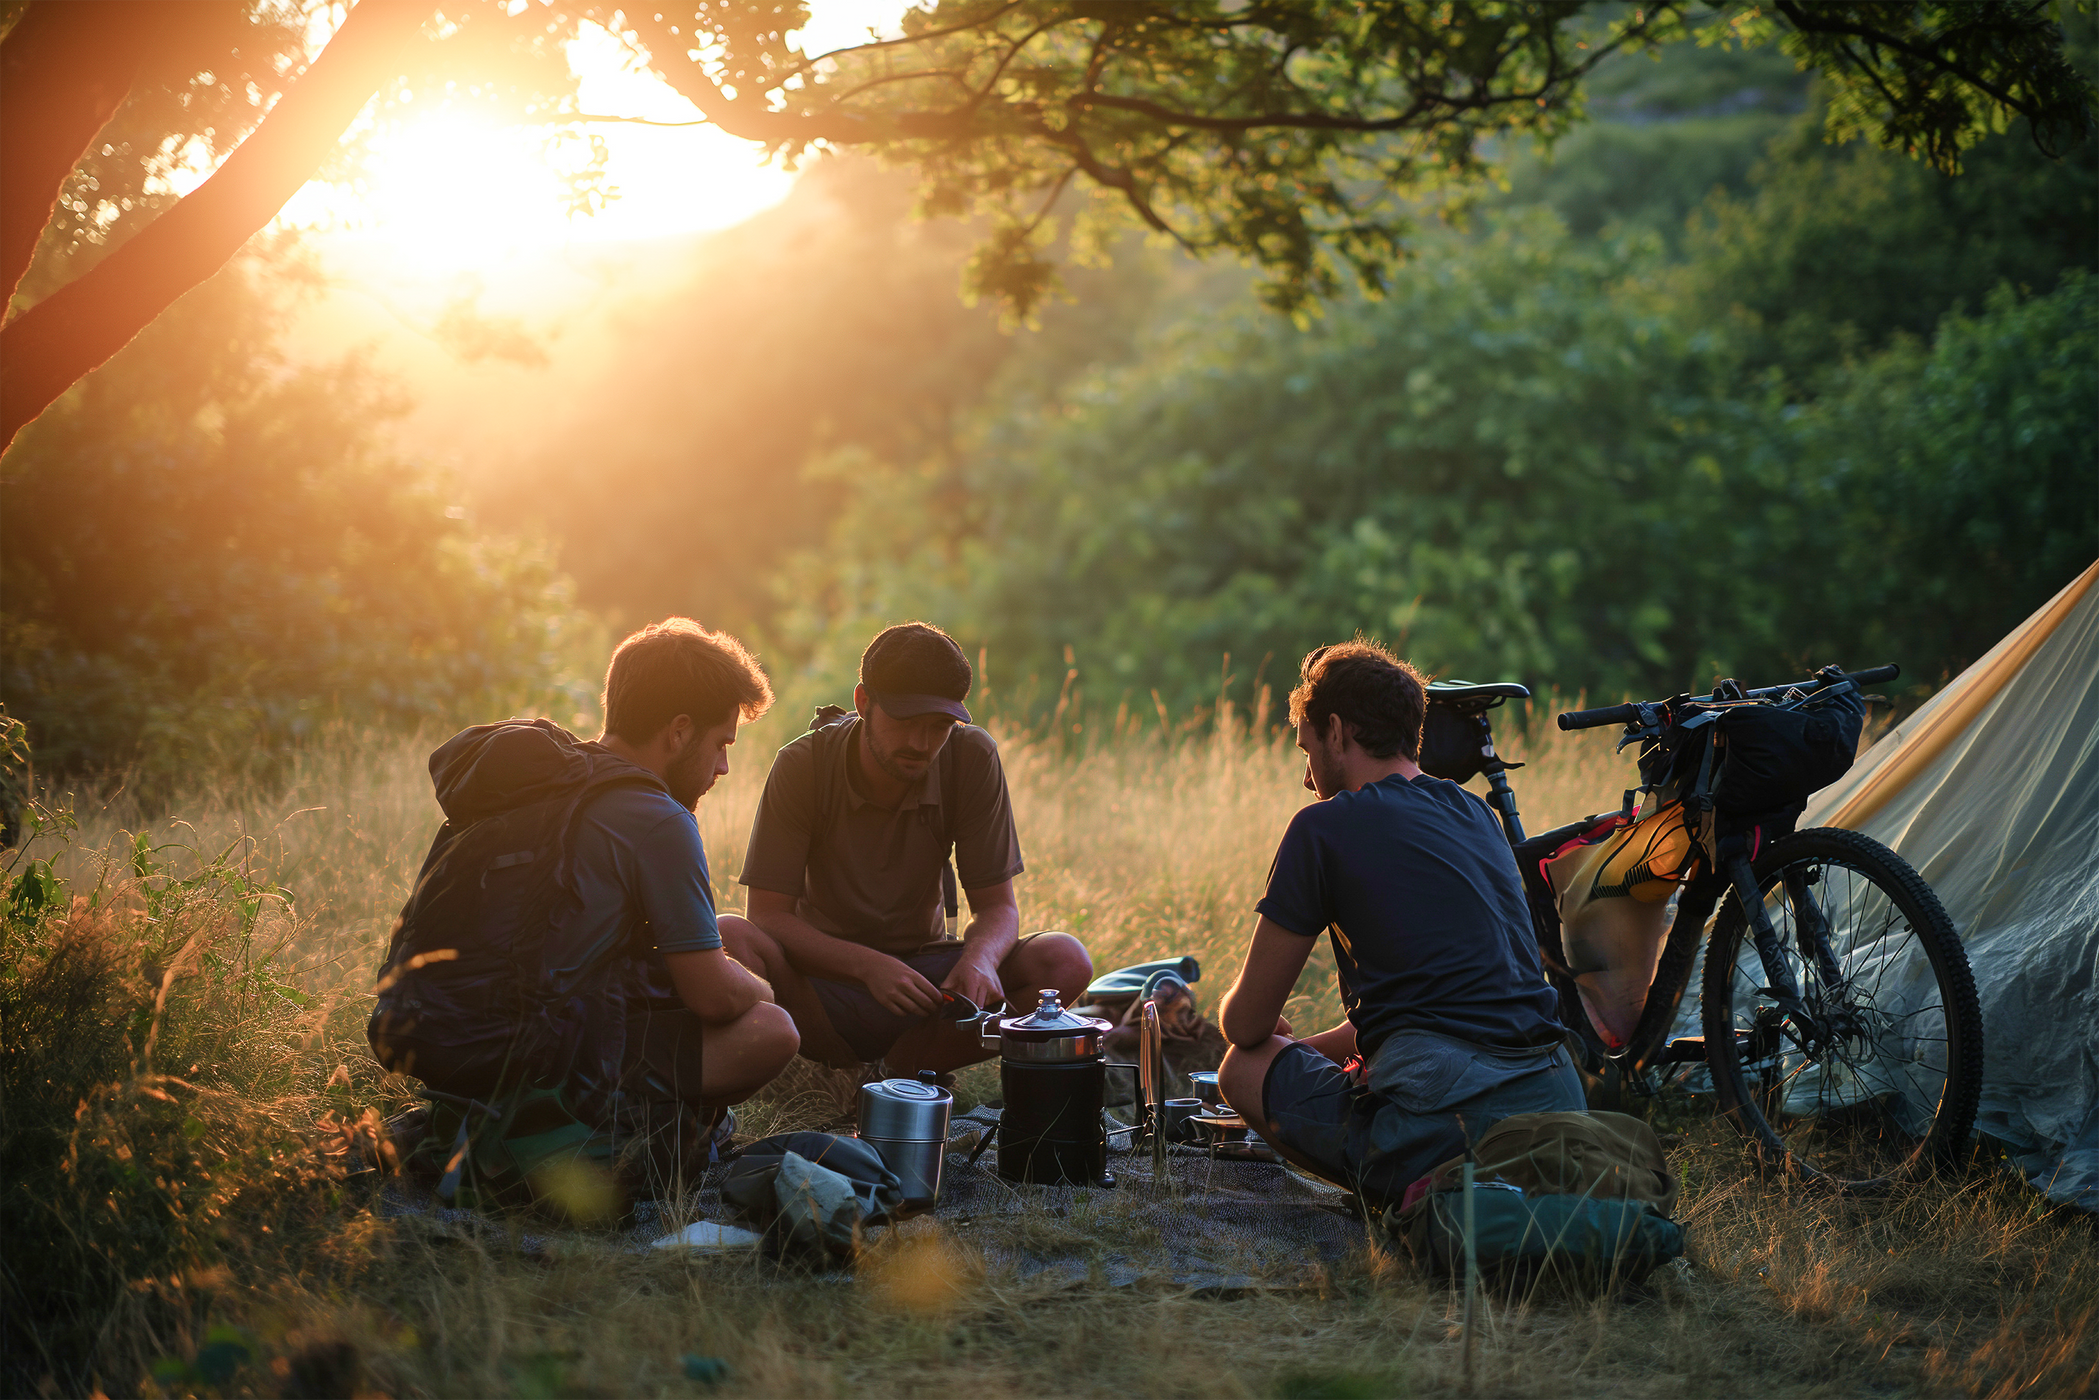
1054 1084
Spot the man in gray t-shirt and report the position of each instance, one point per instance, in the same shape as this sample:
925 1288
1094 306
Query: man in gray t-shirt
845 868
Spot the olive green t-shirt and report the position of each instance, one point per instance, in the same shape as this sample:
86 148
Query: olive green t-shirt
871 874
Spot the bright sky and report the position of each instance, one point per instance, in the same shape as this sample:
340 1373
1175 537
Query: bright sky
448 193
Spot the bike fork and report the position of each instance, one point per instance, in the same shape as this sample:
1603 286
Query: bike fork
1778 975
1814 928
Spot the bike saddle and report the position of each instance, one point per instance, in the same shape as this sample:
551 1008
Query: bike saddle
1469 695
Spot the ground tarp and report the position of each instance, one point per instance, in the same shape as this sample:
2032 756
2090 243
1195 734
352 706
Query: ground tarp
1991 791
1206 1225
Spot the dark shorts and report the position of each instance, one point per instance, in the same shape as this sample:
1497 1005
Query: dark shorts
1358 1138
869 1028
662 1059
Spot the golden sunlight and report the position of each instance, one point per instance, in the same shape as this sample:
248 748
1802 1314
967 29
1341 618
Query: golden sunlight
449 192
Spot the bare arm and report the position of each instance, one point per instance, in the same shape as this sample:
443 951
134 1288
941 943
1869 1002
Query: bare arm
994 929
1255 1002
714 986
815 953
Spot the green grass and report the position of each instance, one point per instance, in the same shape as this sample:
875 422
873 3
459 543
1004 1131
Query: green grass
182 1071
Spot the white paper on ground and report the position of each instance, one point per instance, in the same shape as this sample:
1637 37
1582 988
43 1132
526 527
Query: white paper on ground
709 1236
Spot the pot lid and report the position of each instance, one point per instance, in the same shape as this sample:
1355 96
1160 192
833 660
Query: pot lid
905 1091
904 1109
1049 1020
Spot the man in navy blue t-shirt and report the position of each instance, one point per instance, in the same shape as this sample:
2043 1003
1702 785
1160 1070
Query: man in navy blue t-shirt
1450 1021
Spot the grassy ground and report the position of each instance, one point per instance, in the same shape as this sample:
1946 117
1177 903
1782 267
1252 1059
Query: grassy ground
181 1044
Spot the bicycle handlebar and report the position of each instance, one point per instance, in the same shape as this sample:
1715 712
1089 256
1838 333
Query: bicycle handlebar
1630 713
1596 719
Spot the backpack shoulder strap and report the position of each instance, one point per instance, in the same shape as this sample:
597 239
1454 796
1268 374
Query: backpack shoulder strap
829 727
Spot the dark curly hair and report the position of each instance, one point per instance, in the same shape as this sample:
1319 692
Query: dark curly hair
1379 697
677 667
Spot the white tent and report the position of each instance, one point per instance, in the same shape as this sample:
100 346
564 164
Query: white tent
1991 791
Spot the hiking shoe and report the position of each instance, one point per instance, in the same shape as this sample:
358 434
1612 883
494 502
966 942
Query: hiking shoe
407 1133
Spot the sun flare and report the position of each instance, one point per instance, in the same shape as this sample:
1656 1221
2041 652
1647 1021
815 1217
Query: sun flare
451 191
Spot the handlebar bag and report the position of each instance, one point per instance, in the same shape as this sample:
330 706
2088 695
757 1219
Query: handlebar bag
1775 758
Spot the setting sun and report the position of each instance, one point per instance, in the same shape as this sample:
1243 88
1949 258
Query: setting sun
451 191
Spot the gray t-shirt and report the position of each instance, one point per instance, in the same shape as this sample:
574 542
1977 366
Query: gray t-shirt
871 874
641 884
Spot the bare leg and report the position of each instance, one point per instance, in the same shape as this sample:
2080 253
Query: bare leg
1046 960
756 950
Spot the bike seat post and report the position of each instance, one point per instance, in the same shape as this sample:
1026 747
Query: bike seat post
1500 796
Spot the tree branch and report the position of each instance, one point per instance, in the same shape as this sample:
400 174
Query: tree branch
1798 16
49 347
64 71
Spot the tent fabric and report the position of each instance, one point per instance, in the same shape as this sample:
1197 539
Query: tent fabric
1991 791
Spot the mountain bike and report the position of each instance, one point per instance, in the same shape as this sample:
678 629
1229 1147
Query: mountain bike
1842 1032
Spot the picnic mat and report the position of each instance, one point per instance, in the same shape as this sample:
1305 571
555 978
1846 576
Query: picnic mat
1206 1225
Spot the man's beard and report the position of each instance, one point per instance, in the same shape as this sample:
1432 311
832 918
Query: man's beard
1327 774
886 759
691 773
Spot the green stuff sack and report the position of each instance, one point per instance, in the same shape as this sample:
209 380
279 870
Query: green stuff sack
533 1150
1585 1196
1592 1243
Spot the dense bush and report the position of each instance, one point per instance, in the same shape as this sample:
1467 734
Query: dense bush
1944 491
1847 418
1486 467
161 1108
207 551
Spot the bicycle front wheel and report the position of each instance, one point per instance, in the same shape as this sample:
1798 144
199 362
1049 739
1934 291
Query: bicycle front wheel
1877 1081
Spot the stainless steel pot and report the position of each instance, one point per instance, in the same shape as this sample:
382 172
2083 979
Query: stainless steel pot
905 1121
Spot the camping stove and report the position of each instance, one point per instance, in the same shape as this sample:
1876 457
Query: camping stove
1054 1082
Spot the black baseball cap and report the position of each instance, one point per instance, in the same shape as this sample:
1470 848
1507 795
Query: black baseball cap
915 669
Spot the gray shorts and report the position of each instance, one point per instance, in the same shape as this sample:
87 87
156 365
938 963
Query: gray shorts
866 1026
1361 1139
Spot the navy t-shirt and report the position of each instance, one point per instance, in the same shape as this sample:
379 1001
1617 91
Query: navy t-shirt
641 886
1418 889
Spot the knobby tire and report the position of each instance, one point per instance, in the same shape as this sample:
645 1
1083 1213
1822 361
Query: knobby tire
1863 1143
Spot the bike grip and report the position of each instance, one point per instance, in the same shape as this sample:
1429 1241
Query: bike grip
1596 719
1874 675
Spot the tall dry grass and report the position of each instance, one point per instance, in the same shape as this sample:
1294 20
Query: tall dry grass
184 1072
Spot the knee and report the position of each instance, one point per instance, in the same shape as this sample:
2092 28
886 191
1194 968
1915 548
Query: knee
1058 960
775 1039
745 941
1241 1076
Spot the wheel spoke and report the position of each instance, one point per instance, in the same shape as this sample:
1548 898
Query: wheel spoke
1858 1086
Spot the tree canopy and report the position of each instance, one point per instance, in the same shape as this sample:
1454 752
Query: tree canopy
1301 135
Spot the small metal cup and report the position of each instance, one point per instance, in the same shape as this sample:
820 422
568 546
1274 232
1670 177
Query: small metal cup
1178 1118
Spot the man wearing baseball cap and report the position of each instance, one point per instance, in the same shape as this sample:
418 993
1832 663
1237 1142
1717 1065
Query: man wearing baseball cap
845 862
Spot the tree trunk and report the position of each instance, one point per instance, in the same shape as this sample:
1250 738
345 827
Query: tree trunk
63 71
46 349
